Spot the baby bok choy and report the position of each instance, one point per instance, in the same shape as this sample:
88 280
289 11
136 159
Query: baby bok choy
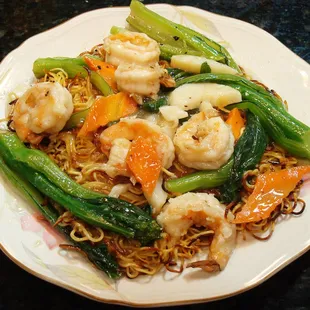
98 255
247 154
96 209
176 39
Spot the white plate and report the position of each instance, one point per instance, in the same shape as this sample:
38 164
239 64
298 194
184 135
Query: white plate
252 262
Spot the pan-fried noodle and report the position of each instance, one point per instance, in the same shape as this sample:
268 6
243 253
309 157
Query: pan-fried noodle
136 260
56 75
82 159
123 123
97 50
81 89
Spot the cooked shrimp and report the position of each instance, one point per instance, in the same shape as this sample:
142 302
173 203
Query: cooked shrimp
131 47
136 57
116 164
143 135
200 209
131 129
142 80
204 143
44 108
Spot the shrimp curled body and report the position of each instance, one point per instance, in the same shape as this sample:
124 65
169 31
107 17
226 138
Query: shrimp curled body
142 80
44 108
200 209
131 129
116 164
204 143
131 47
128 131
136 57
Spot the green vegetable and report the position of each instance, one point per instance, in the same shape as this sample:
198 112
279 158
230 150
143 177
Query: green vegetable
205 68
153 105
116 30
109 213
30 192
167 51
175 38
147 209
97 80
98 255
280 129
190 114
73 67
113 214
20 157
76 119
248 152
178 74
221 49
200 180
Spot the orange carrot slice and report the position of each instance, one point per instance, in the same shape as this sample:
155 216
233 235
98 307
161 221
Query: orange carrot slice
269 191
236 122
144 162
107 71
108 109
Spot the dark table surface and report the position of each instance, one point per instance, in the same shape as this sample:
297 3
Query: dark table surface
287 20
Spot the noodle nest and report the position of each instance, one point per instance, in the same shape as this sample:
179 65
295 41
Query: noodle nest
82 159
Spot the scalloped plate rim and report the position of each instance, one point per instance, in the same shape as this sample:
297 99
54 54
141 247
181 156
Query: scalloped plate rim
276 269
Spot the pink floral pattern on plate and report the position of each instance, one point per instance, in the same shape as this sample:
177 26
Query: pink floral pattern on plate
36 223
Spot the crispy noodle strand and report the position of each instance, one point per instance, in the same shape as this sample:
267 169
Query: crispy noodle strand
136 260
80 231
81 89
56 75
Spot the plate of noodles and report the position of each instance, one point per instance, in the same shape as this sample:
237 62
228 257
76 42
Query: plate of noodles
154 155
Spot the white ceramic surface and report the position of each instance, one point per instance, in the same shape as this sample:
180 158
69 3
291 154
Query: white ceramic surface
252 262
